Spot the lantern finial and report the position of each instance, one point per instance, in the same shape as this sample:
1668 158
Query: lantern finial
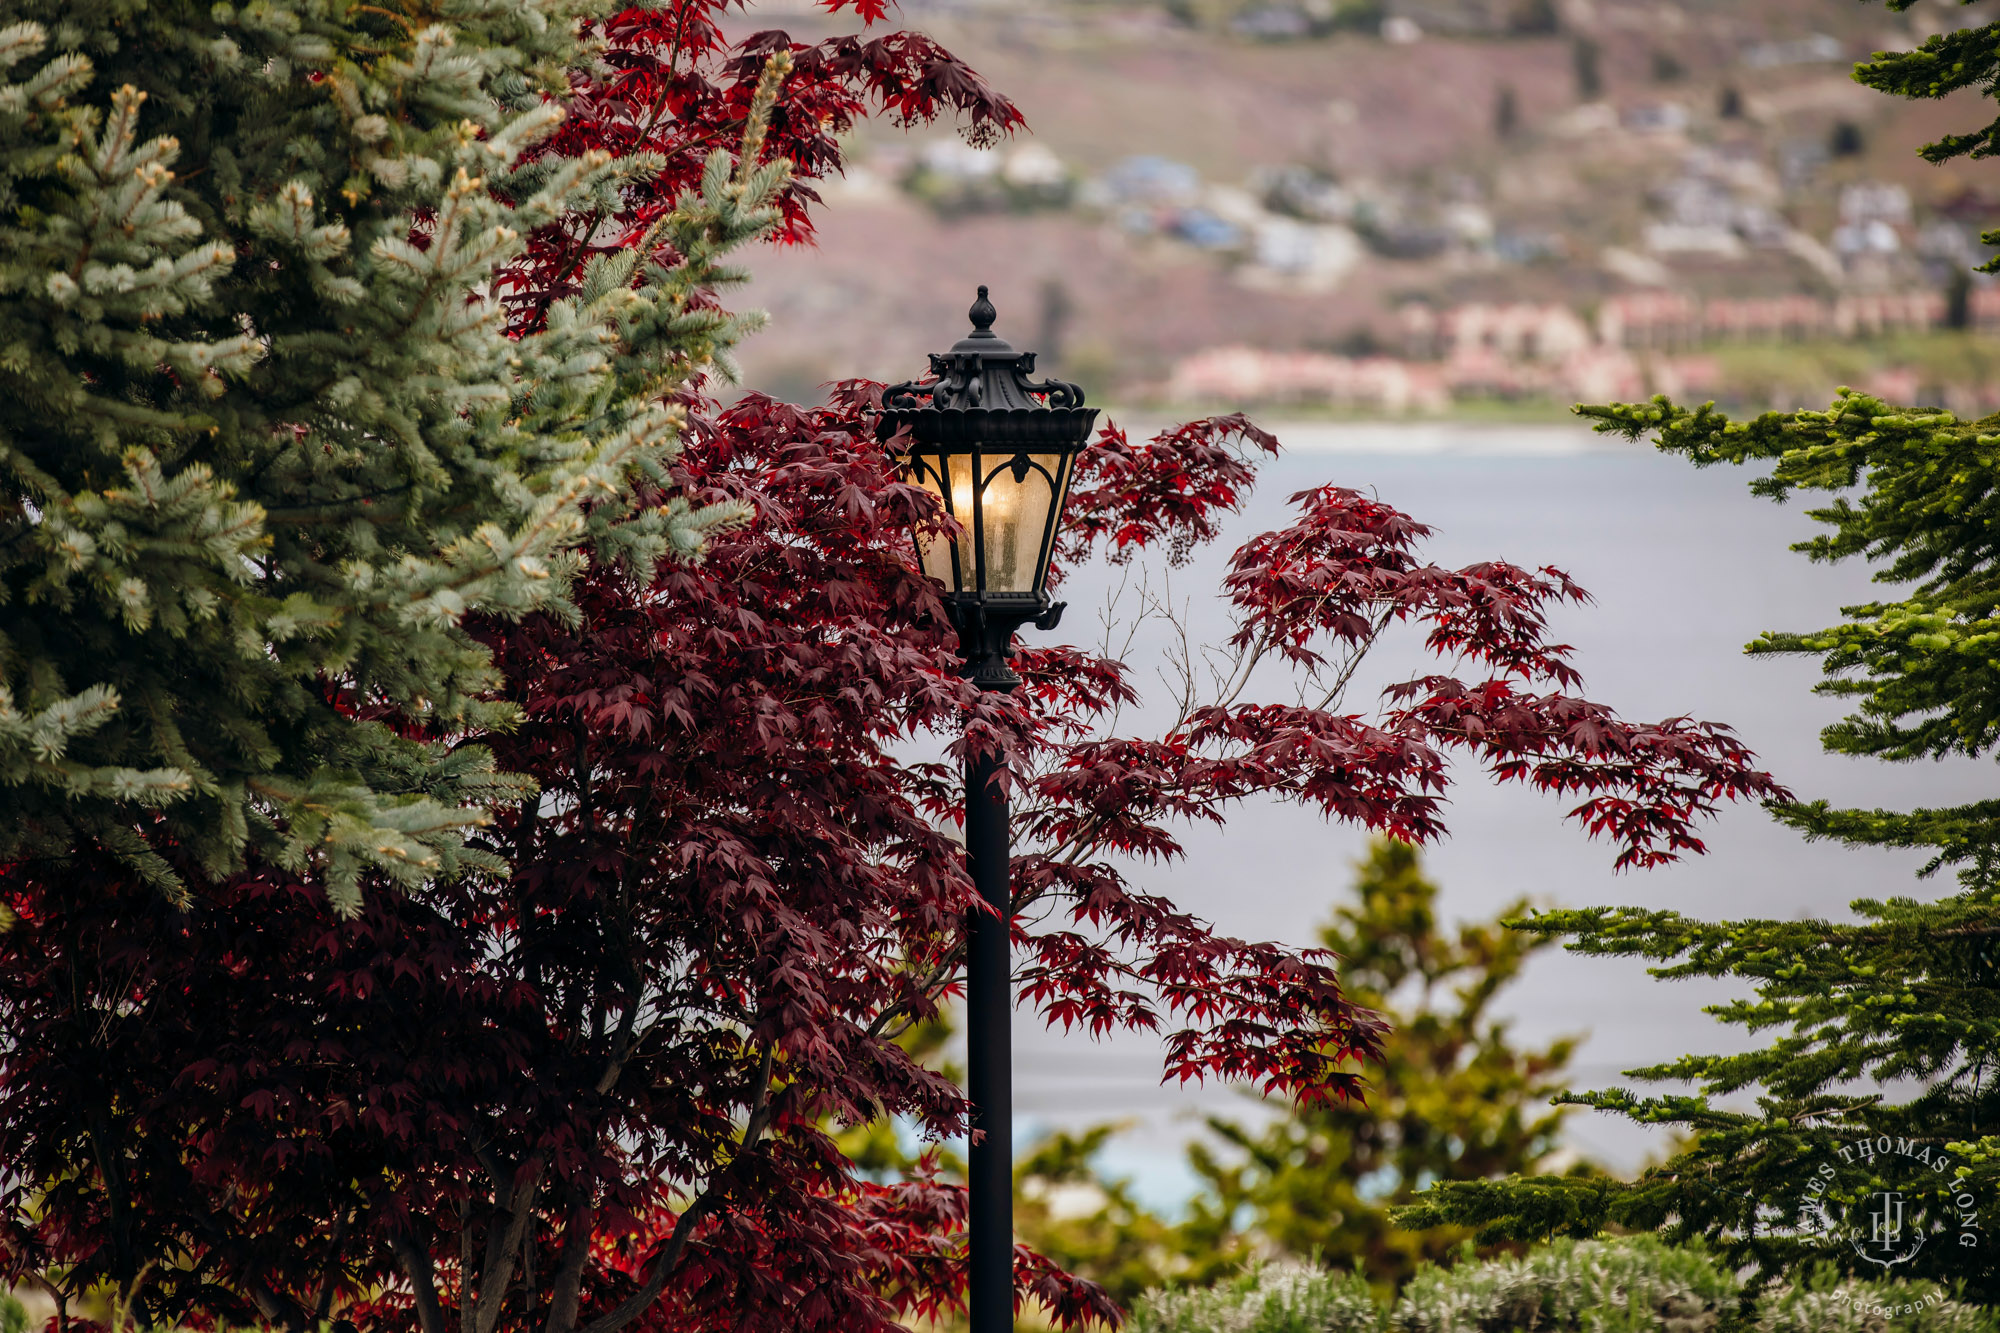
982 315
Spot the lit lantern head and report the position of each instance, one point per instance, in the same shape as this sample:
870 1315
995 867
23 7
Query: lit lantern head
997 449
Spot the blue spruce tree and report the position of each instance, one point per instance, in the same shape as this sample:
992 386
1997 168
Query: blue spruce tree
266 439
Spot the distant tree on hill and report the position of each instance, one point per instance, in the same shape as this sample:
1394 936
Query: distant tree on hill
1533 18
1584 58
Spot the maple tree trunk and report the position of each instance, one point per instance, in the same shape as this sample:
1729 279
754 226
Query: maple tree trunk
989 1056
566 1283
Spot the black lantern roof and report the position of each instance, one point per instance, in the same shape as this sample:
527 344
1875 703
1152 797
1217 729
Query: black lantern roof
980 395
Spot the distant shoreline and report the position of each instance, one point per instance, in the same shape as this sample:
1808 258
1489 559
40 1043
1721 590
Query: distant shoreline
1447 436
1476 413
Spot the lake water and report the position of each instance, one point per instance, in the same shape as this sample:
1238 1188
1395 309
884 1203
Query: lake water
1686 567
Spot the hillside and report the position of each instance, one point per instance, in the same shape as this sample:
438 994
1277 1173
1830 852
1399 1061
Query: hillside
1414 206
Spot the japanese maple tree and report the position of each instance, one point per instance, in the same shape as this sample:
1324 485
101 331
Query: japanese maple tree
601 1091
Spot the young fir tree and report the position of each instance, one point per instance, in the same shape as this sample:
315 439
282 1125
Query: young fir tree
265 435
1452 1099
1883 1031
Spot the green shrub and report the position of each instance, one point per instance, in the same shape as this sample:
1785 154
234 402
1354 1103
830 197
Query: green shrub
1636 1284
1606 1286
1825 1303
1618 1286
1264 1298
13 1315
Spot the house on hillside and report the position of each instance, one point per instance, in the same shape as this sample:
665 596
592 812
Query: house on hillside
1519 331
1649 319
1474 17
1766 319
1249 375
1874 215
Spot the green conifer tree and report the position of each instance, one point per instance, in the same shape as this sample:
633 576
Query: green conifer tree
1453 1099
265 439
1877 1120
1887 1028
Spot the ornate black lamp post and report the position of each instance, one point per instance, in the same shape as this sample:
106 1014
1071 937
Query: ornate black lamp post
997 449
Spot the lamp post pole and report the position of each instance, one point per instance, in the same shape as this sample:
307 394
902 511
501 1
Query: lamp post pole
996 448
989 1056
985 639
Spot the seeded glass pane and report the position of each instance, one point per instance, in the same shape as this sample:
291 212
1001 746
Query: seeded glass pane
1059 467
1015 512
935 550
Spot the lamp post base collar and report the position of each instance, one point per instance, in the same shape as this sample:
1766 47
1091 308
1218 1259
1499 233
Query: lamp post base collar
986 628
